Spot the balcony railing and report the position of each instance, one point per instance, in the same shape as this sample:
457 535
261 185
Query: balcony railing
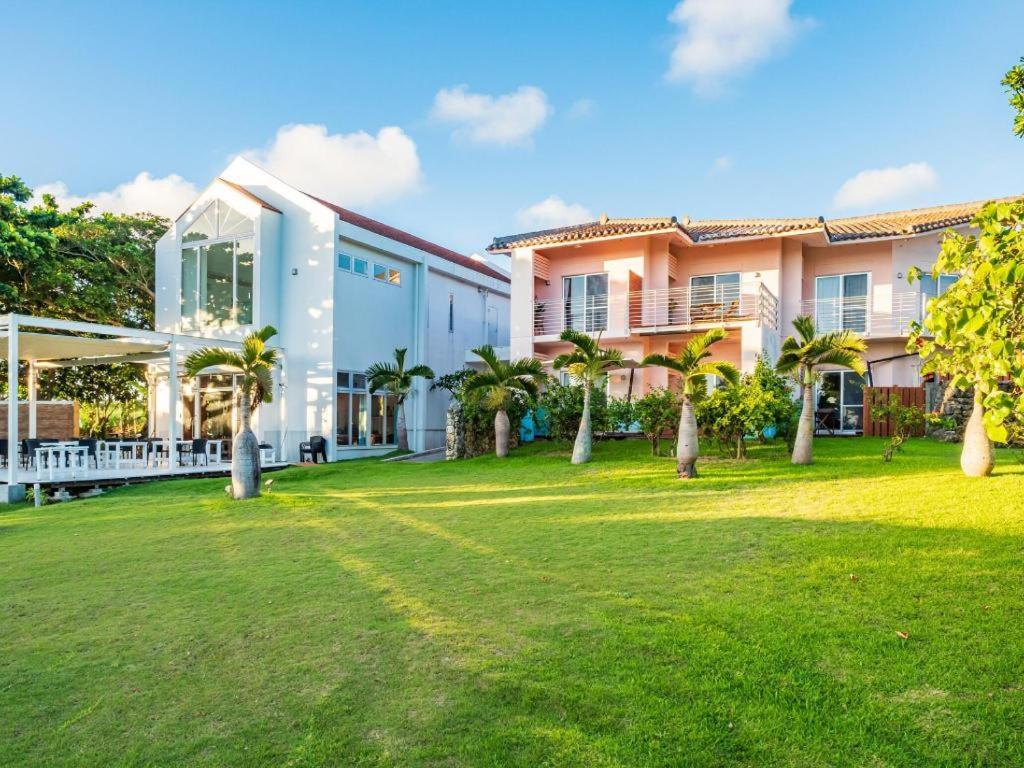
866 317
659 310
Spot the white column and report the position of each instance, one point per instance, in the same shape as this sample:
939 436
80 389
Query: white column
173 414
32 397
419 436
521 330
12 401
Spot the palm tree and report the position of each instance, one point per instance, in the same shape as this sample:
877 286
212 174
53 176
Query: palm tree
398 381
498 382
801 355
255 362
693 367
586 364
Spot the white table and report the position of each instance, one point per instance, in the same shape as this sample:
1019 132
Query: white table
214 449
55 453
111 451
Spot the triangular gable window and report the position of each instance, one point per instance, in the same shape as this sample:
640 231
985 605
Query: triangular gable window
217 221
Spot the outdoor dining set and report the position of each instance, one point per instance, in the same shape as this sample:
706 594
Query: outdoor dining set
80 457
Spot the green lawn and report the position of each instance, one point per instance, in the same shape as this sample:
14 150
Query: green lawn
526 613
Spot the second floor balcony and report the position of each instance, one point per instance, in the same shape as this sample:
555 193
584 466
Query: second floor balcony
668 310
865 316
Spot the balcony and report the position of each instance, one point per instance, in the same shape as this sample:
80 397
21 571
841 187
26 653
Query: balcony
866 317
668 310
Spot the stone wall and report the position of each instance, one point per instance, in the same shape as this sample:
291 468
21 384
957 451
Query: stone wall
54 419
956 405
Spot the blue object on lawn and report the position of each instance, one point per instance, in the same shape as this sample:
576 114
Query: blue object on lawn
540 422
527 431
770 432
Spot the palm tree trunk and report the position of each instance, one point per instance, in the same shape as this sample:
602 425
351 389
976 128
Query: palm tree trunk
977 458
581 450
245 455
502 428
400 428
687 448
803 447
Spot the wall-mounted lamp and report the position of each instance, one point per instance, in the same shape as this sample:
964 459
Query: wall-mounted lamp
899 275
295 271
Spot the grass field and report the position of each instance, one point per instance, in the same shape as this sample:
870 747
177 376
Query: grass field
526 613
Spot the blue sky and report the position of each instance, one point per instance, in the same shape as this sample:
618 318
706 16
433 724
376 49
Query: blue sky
771 107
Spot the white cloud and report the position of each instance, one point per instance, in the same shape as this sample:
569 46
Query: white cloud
511 118
167 196
553 212
721 38
885 185
722 164
581 108
347 168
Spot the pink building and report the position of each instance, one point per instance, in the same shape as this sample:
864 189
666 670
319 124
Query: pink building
647 285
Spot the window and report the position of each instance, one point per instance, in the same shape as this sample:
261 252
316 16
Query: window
841 402
363 418
216 394
714 297
345 262
217 268
385 274
360 267
451 313
841 302
931 288
585 302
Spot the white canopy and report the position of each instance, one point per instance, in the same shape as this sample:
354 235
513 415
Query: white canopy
50 350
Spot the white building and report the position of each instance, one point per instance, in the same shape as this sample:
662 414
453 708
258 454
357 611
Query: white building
343 292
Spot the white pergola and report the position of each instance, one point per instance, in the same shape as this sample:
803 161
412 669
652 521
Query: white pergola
45 342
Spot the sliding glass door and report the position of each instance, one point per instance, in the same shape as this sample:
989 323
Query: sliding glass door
841 302
585 302
840 402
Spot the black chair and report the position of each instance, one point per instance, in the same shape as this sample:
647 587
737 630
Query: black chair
316 446
90 454
197 449
3 452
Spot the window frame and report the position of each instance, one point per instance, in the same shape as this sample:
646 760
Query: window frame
361 395
195 320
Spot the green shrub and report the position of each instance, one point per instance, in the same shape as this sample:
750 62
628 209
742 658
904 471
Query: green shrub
564 404
477 416
620 414
657 412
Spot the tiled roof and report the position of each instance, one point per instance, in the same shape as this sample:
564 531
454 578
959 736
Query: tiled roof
605 227
893 224
385 230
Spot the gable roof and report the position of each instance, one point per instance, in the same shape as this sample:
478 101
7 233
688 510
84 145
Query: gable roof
876 225
393 233
243 191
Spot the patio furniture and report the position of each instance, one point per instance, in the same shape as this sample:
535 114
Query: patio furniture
824 420
199 448
60 456
3 452
266 453
315 446
90 445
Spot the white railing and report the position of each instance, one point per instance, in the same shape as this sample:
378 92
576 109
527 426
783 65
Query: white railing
664 309
866 317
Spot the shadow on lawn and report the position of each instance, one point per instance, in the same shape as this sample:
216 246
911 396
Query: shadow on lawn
736 639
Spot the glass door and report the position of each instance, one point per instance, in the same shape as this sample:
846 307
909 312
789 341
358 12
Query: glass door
841 302
840 402
585 301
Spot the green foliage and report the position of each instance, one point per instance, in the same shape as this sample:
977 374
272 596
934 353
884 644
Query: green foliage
657 412
692 364
478 410
452 382
905 421
395 377
973 334
499 381
620 413
759 400
255 362
1013 81
807 350
564 405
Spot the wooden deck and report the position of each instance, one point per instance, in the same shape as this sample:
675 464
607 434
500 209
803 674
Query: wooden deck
109 476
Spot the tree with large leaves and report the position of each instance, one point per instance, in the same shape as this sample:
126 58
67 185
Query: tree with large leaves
586 364
801 355
693 367
255 362
397 379
973 333
498 382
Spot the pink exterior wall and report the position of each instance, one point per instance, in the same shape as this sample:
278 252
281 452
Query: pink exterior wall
874 258
753 259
